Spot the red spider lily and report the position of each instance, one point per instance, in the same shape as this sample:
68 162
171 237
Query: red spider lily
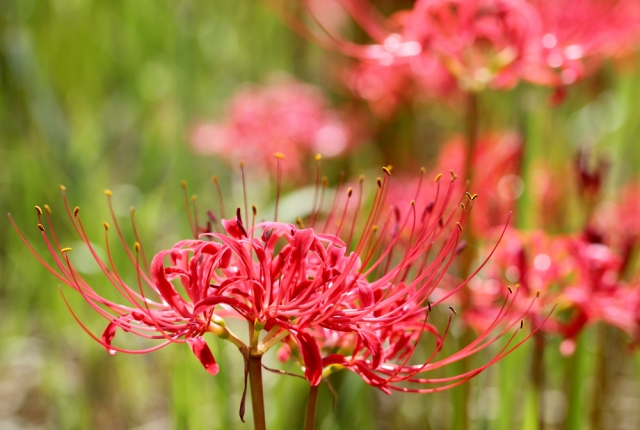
306 287
283 116
499 155
583 277
578 35
479 42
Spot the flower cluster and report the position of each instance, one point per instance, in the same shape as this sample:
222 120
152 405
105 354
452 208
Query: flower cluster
441 45
330 297
284 116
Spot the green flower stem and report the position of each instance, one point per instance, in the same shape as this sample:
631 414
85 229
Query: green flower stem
310 418
257 394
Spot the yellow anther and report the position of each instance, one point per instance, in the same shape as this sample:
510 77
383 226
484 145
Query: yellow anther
361 179
459 226
241 164
453 310
423 170
62 187
106 225
214 179
108 192
325 181
318 157
468 194
132 210
41 227
387 170
76 210
473 196
38 210
254 208
374 228
300 223
413 202
136 246
65 250
47 208
453 175
379 182
279 155
463 206
438 176
349 192
194 198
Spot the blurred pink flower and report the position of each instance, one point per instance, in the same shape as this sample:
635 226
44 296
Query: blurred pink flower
578 35
284 116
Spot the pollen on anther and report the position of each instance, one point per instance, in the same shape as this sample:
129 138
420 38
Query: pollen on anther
459 226
76 210
510 290
453 175
214 179
183 183
136 246
194 198
387 170
423 170
279 155
65 250
299 223
438 176
468 194
241 164
38 210
108 192
361 179
413 202
318 157
453 310
63 188
106 225
473 196
349 192
47 208
41 227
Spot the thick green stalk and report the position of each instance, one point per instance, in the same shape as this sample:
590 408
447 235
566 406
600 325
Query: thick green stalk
257 394
310 418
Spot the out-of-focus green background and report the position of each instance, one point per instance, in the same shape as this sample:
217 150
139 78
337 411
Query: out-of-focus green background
102 94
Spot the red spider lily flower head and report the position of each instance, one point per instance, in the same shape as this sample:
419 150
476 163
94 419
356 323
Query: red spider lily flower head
283 116
578 35
481 42
582 277
532 263
310 288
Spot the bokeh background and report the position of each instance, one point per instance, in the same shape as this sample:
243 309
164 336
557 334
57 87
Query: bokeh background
97 95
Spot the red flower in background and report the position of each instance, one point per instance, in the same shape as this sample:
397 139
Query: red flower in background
284 116
578 35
